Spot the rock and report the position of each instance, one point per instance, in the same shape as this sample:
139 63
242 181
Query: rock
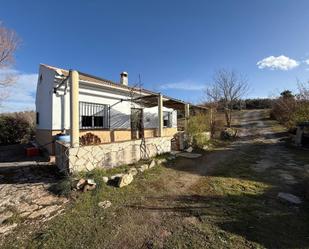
25 207
25 214
46 200
142 168
189 155
88 187
7 228
205 147
228 133
116 176
47 211
190 149
293 199
91 182
161 161
80 184
171 157
5 216
133 171
104 204
125 180
105 179
152 164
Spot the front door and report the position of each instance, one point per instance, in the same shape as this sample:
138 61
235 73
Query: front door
136 123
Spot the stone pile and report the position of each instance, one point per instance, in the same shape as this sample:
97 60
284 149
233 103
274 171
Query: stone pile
124 179
85 185
228 133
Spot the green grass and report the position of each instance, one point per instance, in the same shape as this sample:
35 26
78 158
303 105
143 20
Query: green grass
231 206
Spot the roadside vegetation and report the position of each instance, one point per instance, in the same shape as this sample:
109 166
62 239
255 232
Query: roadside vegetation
17 127
290 109
179 204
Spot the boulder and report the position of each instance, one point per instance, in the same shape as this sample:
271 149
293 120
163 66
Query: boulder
133 171
116 176
190 149
143 167
152 164
161 161
105 179
7 228
46 212
91 182
88 187
293 199
5 216
104 204
228 133
205 147
125 180
80 184
171 157
85 185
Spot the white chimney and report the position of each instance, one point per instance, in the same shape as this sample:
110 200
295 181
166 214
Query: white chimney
124 78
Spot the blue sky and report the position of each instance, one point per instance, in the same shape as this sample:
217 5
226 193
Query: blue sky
175 45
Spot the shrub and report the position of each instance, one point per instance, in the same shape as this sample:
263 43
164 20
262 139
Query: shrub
14 128
198 123
301 113
197 126
283 110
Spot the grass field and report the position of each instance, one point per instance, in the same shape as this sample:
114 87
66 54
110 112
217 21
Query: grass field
217 201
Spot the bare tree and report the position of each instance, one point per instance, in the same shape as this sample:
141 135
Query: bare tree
303 89
227 88
9 42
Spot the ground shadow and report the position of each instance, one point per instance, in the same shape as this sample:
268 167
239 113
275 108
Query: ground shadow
28 174
16 153
258 218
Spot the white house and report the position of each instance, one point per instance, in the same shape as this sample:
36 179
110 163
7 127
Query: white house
113 112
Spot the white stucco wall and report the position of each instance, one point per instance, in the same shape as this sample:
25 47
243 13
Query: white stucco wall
44 97
54 109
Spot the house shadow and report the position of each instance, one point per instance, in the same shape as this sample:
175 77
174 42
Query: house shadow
28 173
16 153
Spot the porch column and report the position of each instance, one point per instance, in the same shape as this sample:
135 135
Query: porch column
187 115
74 108
160 115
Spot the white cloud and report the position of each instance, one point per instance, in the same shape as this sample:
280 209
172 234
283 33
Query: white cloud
306 61
280 62
183 85
22 94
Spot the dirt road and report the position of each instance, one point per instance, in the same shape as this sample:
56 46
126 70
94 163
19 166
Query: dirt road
228 198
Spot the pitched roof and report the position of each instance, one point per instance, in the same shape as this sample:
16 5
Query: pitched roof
94 79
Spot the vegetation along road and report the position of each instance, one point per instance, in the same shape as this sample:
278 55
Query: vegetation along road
228 198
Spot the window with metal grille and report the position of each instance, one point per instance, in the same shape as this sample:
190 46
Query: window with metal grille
167 119
93 116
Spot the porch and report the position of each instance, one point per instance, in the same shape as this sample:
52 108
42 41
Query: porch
94 143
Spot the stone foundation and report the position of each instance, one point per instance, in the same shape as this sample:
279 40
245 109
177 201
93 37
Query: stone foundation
110 155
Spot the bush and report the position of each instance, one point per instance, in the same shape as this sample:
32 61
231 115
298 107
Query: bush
198 124
14 128
290 110
301 113
197 127
284 109
258 103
